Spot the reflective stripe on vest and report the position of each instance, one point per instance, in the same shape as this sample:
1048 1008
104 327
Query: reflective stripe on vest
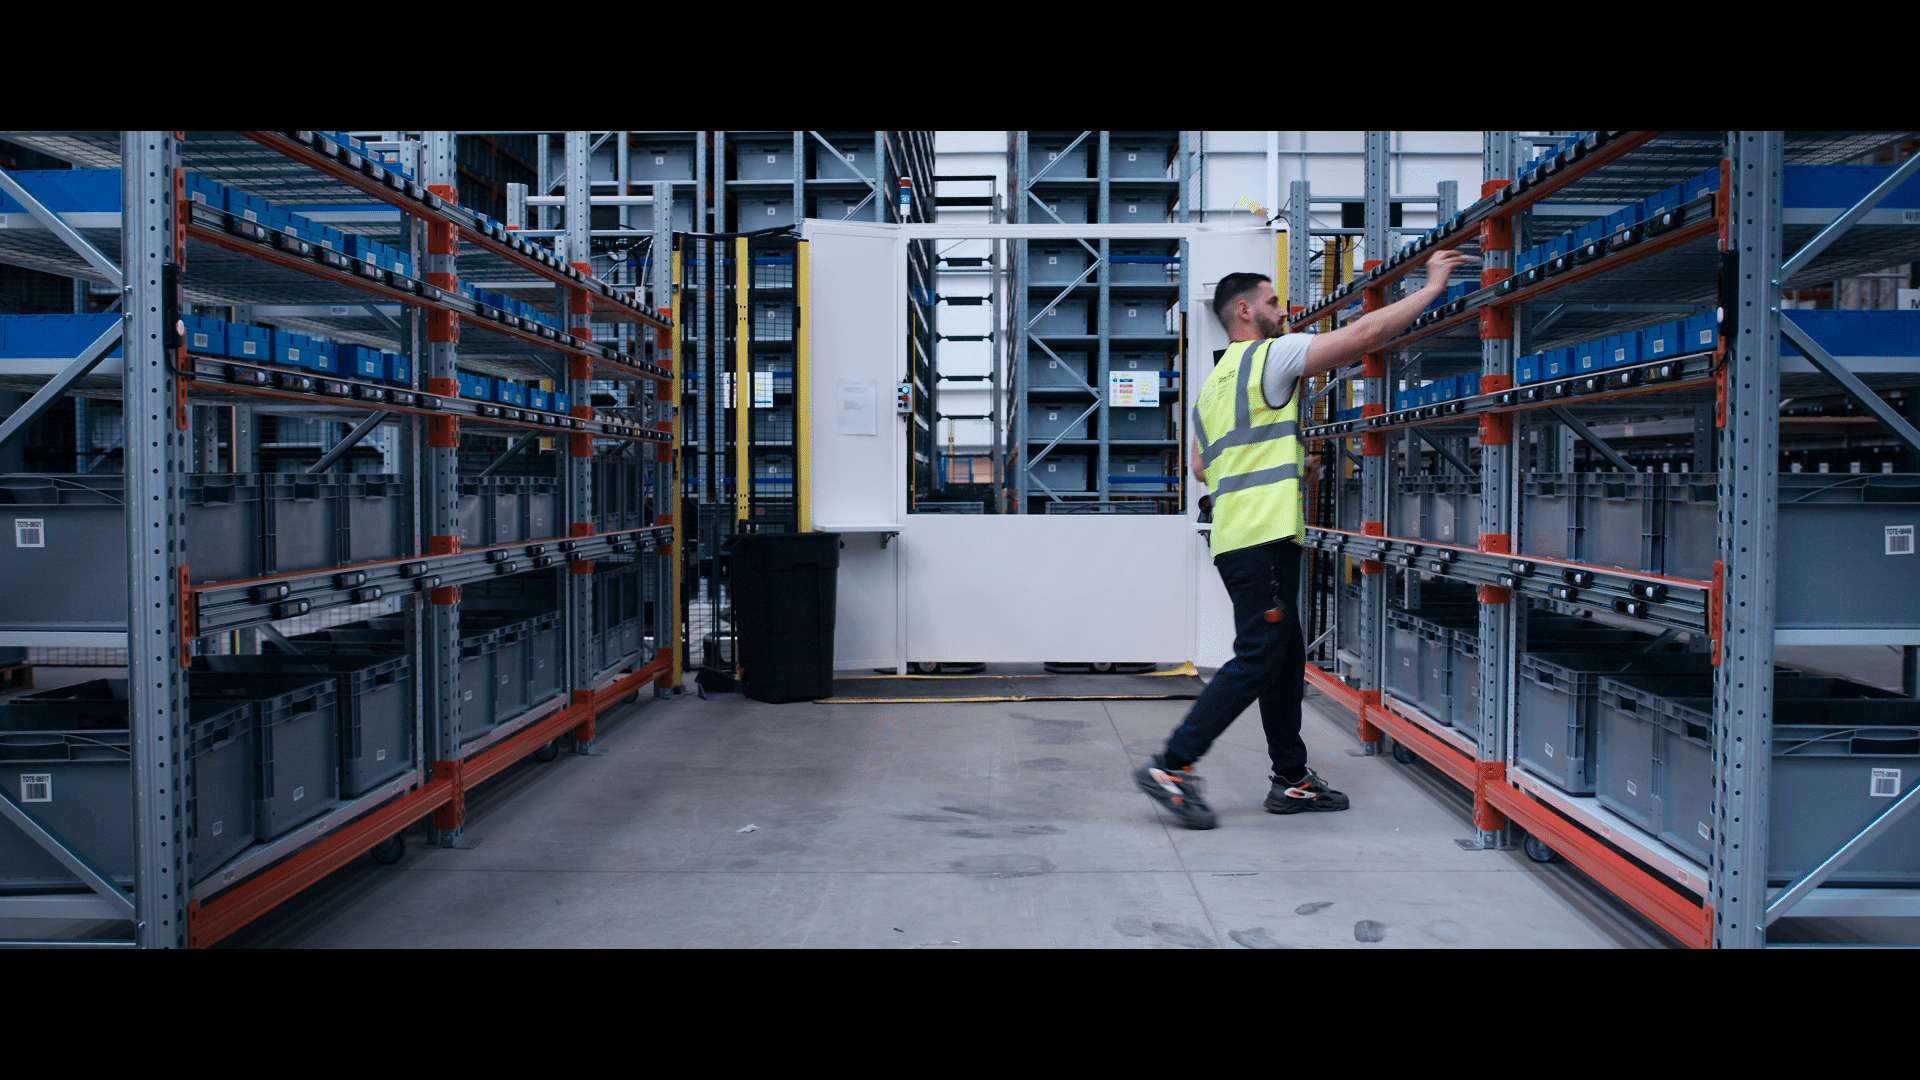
1252 453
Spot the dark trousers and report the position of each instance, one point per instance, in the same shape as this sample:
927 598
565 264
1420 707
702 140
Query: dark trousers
1269 661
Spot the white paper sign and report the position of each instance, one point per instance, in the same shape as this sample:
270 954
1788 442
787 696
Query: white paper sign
763 389
1130 388
859 411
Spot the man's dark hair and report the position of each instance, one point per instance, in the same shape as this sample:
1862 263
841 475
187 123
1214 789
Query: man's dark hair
1231 289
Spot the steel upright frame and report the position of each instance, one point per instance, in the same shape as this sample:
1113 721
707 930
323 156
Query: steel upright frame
1022 483
1729 905
168 614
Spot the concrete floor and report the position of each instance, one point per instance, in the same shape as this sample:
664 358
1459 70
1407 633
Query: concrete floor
944 826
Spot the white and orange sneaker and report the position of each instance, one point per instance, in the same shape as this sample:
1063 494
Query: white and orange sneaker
1176 789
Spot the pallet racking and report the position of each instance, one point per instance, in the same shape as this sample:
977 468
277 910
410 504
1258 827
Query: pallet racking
1728 244
1089 315
476 306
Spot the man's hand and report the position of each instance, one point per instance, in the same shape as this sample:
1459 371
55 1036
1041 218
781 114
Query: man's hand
1442 265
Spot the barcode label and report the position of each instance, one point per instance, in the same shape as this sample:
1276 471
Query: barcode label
30 532
299 793
1705 833
1886 784
1899 539
1548 747
1632 788
38 787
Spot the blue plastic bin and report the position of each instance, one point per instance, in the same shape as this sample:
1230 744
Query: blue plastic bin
1588 356
1660 342
246 342
205 336
397 368
1621 350
537 399
1700 333
67 191
1857 333
1836 187
508 392
244 205
209 193
325 357
477 387
360 361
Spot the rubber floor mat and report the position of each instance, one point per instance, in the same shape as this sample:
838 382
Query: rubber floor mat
1180 682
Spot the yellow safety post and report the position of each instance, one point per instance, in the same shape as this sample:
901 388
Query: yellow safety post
1280 267
742 379
802 384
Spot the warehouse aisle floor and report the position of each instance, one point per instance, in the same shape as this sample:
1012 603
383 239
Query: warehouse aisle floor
943 826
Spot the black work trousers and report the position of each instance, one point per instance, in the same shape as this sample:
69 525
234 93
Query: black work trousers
1269 661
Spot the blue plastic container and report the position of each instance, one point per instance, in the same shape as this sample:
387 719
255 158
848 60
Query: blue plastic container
293 350
396 368
1556 363
1836 187
1527 368
560 402
241 204
1700 185
510 393
325 357
1660 342
208 193
1621 350
1857 333
60 337
1700 333
361 362
207 337
253 343
1402 400
537 399
67 191
1587 356
477 387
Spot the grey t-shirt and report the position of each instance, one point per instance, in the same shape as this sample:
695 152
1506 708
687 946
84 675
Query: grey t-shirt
1286 362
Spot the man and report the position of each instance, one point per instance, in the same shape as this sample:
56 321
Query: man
1248 452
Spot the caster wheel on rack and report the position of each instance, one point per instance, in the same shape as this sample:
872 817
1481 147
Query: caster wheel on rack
1403 755
1538 851
548 752
388 851
628 700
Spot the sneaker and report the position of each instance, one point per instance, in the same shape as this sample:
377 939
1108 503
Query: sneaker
1311 794
1176 789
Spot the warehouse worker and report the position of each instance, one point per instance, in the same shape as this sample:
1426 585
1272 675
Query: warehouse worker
1247 450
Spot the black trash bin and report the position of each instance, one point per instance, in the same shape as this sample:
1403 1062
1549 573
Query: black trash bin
783 605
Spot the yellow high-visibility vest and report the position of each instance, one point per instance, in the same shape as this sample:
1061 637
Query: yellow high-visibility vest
1254 460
